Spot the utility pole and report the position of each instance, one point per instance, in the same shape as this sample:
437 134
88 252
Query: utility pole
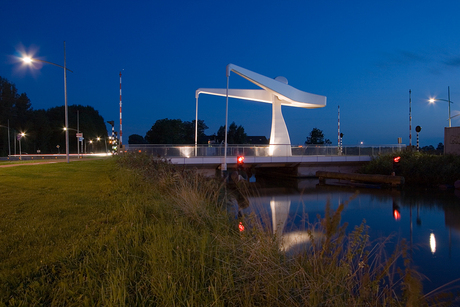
121 130
410 120
339 145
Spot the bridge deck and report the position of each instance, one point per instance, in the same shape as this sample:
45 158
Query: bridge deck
268 160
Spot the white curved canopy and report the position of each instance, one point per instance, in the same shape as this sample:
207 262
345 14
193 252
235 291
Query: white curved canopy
288 95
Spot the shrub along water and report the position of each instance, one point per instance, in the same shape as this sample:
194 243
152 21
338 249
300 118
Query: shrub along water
137 231
418 169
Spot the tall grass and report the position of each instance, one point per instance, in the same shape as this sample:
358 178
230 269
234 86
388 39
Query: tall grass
140 232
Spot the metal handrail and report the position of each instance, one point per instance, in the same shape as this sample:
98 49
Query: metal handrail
180 150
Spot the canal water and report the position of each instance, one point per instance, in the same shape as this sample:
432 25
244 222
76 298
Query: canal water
429 221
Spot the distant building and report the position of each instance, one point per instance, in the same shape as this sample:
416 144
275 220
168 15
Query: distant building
452 140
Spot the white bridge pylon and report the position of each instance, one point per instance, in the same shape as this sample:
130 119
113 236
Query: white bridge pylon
275 91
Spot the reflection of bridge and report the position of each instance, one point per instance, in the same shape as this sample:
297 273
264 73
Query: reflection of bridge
304 160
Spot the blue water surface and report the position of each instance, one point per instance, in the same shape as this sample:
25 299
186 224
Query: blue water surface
419 217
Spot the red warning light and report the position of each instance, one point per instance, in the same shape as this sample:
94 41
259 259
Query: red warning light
397 159
241 226
240 159
397 215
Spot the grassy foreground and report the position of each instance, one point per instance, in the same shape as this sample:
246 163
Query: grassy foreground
134 231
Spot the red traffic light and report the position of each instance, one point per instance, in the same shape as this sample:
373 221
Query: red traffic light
240 159
397 159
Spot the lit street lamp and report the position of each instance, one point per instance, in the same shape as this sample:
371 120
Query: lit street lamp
19 137
432 100
29 60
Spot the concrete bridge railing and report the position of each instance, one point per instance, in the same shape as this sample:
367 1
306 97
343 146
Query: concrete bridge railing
188 151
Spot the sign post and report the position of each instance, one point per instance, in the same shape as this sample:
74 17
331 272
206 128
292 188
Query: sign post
79 137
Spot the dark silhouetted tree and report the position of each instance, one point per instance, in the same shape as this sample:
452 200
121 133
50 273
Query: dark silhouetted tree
16 110
43 128
189 132
235 134
136 139
440 148
317 137
166 131
91 124
174 131
428 149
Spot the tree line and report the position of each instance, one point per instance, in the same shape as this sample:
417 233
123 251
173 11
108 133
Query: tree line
176 131
44 129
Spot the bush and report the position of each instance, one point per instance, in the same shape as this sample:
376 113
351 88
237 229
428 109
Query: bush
418 169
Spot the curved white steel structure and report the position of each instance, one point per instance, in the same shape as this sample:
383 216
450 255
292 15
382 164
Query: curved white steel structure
275 91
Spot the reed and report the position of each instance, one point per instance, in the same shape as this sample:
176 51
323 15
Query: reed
137 231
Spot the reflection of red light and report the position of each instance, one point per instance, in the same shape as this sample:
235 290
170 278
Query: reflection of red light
396 159
397 215
240 159
241 226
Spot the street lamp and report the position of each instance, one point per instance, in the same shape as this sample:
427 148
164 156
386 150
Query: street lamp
79 136
29 60
19 137
432 100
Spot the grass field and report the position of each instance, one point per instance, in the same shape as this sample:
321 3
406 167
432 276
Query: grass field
133 231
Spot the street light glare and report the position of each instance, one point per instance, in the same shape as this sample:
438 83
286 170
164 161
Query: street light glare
27 59
432 100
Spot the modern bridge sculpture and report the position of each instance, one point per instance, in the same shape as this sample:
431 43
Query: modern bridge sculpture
275 91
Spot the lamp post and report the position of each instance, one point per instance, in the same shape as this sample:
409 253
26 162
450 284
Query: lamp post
97 139
19 137
30 60
432 100
80 138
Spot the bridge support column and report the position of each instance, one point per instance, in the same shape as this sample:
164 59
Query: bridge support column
280 143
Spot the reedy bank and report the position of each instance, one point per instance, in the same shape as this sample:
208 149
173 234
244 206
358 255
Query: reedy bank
150 234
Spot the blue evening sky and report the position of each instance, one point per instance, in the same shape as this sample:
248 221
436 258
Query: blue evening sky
362 55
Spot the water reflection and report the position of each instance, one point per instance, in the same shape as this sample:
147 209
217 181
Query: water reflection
288 208
432 243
